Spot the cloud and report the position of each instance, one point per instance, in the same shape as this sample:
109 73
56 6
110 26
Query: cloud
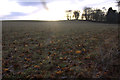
30 3
13 15
17 14
34 2
7 7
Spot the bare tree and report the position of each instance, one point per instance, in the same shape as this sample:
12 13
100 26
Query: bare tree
69 14
87 12
76 14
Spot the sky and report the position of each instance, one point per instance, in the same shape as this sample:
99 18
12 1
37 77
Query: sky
47 9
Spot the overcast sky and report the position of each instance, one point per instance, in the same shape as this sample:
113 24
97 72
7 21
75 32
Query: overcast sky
47 9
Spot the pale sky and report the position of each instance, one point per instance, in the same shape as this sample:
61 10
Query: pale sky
47 9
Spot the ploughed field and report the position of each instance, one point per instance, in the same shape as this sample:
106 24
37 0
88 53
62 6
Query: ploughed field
60 49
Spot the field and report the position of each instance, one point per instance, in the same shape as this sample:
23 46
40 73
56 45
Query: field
60 49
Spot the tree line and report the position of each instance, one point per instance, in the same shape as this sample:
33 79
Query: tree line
111 16
98 15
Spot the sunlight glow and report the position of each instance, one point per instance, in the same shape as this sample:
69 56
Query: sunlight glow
56 11
53 15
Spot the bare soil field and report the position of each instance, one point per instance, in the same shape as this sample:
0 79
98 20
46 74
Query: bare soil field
60 49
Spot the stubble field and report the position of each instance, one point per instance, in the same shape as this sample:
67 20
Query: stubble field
60 49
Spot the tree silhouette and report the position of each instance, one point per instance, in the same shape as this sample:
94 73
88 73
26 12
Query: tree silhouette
98 15
93 15
76 14
112 16
119 11
87 12
101 15
69 14
82 17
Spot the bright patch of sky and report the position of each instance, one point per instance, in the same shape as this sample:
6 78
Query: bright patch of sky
47 9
